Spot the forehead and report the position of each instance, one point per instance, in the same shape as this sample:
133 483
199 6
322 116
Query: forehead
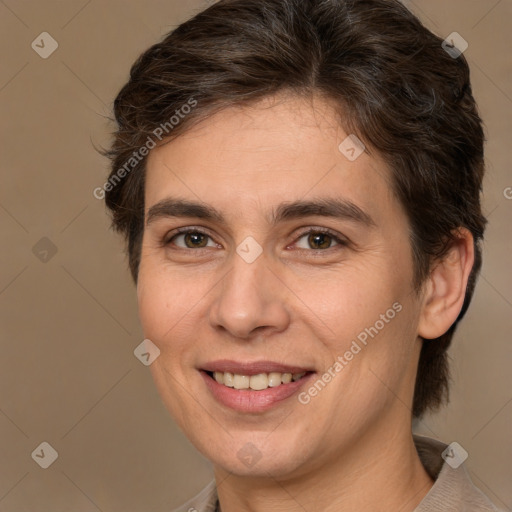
282 148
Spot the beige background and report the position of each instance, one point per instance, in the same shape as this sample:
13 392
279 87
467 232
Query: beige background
69 325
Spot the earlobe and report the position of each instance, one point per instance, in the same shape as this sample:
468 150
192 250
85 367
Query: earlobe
446 287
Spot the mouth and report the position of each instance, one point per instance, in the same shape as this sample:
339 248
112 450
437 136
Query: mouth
258 382
253 387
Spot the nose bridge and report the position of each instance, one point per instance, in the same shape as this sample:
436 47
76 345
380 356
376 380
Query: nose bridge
246 299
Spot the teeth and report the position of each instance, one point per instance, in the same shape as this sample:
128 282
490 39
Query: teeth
229 380
256 382
274 379
241 382
286 377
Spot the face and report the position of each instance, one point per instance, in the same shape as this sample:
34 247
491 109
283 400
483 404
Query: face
270 251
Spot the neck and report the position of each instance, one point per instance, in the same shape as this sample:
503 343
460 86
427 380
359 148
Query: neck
381 472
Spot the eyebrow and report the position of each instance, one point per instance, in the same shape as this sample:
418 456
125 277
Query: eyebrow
338 208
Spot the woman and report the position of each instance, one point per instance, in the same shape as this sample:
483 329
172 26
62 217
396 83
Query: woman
299 185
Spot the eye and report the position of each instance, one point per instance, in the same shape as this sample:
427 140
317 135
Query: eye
318 239
191 239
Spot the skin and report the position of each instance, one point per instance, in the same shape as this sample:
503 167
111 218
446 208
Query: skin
350 447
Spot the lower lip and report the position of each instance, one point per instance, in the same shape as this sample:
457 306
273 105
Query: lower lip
247 400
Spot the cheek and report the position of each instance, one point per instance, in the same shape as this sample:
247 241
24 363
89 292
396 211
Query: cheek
151 299
351 300
170 304
157 290
162 302
375 359
371 320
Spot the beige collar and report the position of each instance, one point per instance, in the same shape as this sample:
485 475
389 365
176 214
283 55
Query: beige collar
452 489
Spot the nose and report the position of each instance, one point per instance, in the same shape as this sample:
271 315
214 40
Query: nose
250 300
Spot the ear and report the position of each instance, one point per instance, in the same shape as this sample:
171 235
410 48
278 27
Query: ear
445 288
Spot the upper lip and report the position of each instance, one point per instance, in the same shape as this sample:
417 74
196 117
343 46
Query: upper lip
252 368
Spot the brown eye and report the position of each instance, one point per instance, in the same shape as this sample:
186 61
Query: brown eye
319 240
191 239
195 239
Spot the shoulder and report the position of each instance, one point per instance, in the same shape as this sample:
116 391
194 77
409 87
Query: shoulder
453 488
205 501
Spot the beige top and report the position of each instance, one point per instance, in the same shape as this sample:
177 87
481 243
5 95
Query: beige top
452 491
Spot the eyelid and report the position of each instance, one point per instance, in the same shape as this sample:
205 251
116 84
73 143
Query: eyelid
339 239
184 230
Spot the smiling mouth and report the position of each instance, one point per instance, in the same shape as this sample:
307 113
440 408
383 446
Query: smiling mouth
258 382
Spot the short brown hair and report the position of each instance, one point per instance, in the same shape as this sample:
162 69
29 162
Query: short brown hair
396 87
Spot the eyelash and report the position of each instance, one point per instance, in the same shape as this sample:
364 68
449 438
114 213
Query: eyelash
180 231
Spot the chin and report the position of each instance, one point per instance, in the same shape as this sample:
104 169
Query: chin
257 456
281 468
